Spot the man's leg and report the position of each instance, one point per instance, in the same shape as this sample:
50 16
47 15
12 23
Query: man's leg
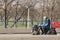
46 30
42 30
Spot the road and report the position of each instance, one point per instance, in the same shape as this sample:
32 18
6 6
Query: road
28 37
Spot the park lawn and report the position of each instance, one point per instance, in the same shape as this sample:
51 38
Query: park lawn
19 24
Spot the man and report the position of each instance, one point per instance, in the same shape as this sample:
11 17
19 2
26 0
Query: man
46 24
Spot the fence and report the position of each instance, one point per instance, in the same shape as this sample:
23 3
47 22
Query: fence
19 24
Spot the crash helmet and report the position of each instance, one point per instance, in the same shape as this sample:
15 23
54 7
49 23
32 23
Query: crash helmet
45 17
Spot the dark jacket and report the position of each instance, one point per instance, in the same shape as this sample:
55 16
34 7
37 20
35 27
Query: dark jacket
46 24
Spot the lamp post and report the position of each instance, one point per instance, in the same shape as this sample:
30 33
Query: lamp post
28 13
28 18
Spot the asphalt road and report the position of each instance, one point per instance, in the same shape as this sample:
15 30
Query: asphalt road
28 37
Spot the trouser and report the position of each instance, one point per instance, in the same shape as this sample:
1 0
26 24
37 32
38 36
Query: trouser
42 29
46 30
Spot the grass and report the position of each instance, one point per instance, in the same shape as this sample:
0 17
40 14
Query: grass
19 24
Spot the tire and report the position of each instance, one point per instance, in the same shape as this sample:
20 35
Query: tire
52 32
